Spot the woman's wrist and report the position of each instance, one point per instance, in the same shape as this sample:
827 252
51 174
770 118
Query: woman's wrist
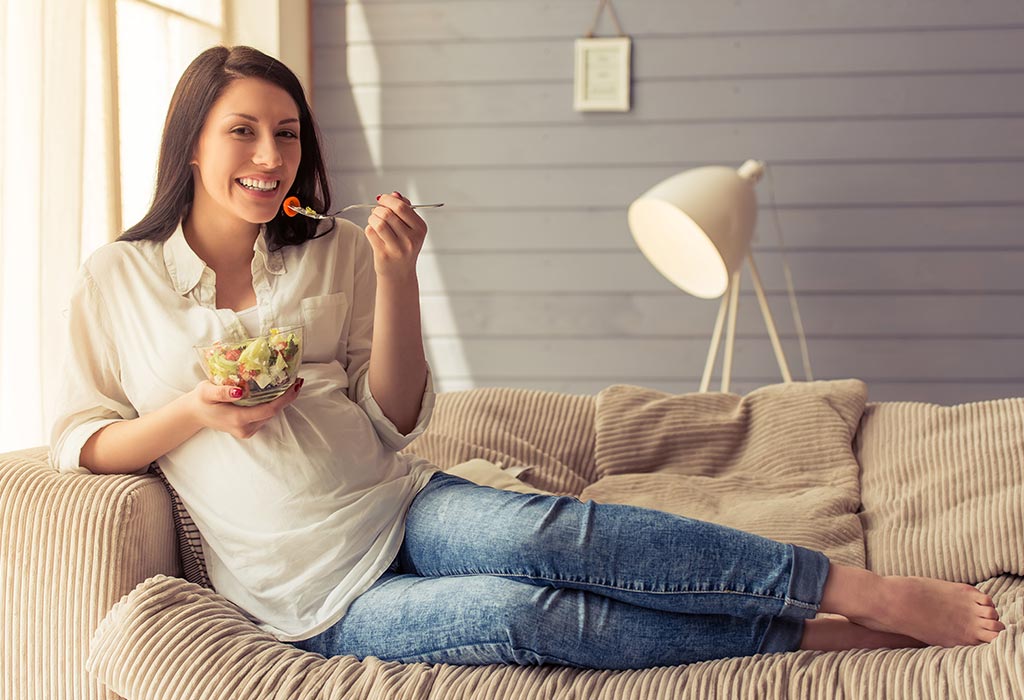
187 409
396 276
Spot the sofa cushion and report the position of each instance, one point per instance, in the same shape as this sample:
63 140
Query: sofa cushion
552 433
943 488
777 462
169 638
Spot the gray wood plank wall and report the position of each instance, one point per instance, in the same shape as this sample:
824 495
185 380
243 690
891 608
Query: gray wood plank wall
894 134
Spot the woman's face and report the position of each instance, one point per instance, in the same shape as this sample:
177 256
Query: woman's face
247 154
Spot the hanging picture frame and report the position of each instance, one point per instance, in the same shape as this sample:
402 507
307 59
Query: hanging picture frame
602 74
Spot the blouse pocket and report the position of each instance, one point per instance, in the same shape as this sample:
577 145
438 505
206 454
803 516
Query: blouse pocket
323 319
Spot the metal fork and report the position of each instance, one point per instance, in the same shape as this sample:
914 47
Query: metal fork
350 207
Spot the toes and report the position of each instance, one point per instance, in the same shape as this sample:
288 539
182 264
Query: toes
987 636
979 597
993 625
988 613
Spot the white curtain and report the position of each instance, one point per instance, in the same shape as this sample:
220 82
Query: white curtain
58 201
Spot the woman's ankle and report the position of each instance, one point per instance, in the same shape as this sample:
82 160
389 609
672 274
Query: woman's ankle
837 634
852 592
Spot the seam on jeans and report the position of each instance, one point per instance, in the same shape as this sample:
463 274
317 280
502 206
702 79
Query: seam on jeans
481 645
461 647
800 604
764 636
619 588
794 602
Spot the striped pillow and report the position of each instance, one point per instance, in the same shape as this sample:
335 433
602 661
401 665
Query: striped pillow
942 488
777 462
190 547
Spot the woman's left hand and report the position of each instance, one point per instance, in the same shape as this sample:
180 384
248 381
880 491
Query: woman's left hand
396 233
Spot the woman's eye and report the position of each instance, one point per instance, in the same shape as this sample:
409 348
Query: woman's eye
247 131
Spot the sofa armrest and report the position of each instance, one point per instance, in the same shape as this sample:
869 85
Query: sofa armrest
72 546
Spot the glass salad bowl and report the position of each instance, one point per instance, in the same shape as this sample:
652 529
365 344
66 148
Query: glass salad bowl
262 367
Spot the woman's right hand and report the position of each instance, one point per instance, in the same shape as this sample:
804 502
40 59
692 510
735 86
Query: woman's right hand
213 408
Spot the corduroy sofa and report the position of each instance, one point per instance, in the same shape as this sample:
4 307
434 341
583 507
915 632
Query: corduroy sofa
104 592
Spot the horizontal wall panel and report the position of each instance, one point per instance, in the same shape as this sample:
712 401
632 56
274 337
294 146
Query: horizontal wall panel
531 273
607 146
611 358
677 101
842 228
809 185
945 393
677 314
679 58
381 22
894 136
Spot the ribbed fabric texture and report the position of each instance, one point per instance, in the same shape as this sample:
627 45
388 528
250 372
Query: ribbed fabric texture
943 488
777 462
550 432
72 546
173 639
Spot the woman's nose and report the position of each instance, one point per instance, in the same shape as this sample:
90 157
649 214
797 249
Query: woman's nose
267 153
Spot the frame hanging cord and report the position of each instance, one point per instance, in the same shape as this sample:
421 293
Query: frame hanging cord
597 17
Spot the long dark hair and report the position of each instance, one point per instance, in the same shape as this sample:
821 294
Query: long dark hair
200 86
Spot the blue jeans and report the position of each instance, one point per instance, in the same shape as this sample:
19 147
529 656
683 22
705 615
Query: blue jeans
487 576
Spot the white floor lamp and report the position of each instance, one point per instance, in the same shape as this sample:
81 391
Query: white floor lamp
695 228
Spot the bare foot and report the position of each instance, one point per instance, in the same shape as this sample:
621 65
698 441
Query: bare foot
936 612
837 634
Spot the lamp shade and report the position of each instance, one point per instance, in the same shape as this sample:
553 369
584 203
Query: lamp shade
695 227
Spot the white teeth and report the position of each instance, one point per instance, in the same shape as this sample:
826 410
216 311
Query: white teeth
260 185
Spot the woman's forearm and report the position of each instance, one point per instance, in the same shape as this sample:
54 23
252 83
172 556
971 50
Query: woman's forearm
398 366
128 446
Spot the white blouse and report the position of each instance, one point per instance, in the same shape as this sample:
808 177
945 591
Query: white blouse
302 517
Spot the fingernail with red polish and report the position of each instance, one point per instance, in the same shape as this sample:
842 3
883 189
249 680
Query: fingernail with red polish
379 196
236 393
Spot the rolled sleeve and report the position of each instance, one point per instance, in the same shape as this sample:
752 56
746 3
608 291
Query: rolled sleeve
90 396
66 457
389 435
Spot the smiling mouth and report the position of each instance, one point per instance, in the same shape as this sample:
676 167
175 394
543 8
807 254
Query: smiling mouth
258 185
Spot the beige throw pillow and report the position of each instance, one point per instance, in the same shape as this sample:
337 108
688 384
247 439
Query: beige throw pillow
943 489
777 462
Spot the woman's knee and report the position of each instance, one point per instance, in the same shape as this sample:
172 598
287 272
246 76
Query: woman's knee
538 623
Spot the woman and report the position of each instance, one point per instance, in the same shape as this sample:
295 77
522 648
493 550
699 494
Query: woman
312 522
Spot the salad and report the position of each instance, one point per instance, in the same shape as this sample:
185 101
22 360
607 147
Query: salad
262 367
294 202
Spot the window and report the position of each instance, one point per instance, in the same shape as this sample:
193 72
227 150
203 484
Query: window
84 91
84 88
156 40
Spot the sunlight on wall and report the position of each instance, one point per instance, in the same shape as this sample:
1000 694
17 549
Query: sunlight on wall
365 72
368 113
439 319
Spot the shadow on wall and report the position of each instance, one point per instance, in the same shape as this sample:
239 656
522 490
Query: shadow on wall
361 161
